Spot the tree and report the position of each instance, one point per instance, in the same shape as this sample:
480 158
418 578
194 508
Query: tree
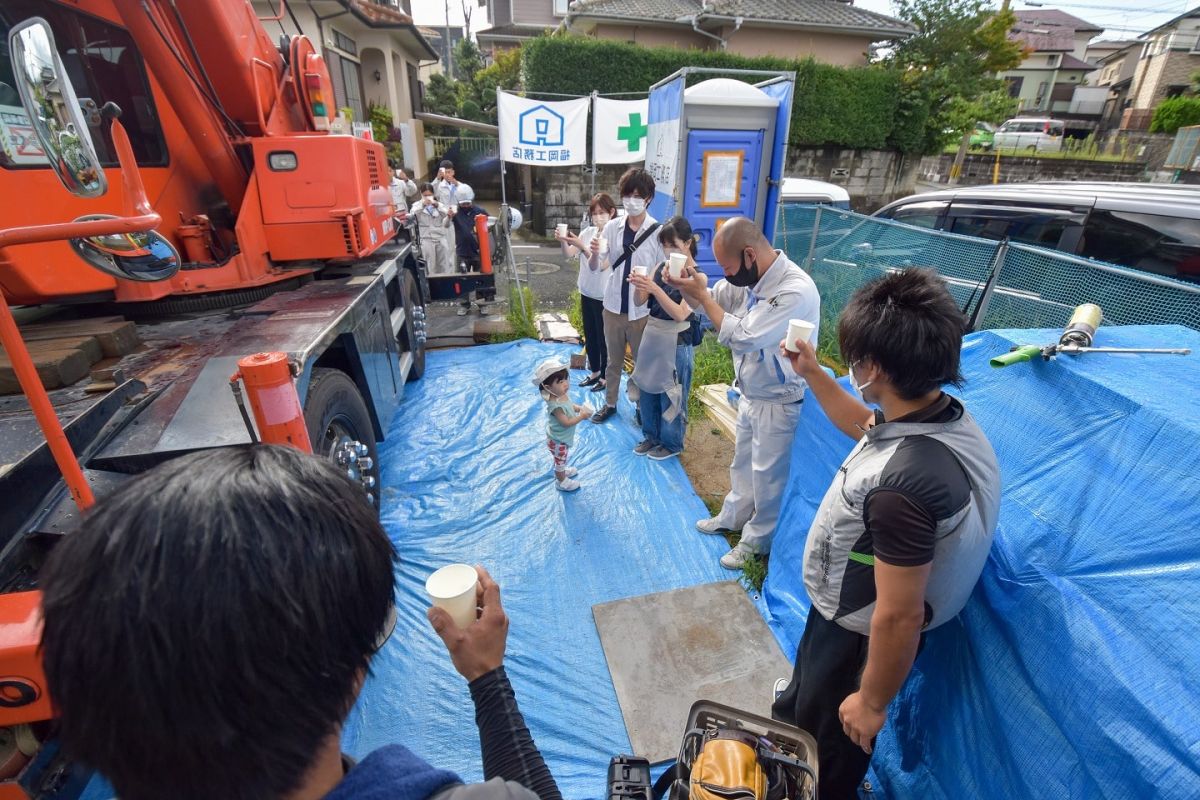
1175 113
958 48
467 60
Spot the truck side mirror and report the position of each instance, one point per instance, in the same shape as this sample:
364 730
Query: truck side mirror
141 256
53 109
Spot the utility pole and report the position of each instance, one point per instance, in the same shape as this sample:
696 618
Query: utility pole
960 157
450 45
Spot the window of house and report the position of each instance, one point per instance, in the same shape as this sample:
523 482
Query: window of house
103 64
1014 86
351 79
1149 242
560 7
1176 90
343 42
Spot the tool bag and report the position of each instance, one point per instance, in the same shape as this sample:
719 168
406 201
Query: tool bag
726 764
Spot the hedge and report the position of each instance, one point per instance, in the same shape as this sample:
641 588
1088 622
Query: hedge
855 107
1175 113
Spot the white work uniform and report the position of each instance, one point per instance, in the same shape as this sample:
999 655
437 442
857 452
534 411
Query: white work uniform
446 193
756 321
402 192
433 223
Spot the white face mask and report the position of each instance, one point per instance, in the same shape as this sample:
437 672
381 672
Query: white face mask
600 220
633 205
855 385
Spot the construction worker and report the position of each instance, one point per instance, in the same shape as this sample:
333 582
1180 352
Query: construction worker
246 592
750 309
466 239
903 532
432 220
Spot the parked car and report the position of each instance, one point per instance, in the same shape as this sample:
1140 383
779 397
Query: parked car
1150 227
983 136
1040 134
811 192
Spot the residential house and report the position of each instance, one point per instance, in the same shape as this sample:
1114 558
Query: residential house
830 31
515 21
1054 67
373 50
1169 57
1115 73
436 36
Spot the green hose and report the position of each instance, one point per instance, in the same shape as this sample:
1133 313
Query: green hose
1026 352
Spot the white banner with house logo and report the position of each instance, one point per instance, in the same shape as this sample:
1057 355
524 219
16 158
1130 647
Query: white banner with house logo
619 129
542 133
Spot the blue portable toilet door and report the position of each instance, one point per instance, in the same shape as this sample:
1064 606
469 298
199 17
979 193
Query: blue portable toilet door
721 181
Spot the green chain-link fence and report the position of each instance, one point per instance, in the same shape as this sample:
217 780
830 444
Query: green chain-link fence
1035 287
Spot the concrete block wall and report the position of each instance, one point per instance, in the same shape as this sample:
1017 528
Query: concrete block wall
977 170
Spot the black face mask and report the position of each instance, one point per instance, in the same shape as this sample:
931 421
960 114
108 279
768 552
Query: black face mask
745 276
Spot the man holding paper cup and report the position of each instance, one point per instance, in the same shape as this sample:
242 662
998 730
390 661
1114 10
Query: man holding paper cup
763 290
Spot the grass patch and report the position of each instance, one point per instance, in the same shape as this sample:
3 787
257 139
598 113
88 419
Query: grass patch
575 311
712 363
521 324
754 568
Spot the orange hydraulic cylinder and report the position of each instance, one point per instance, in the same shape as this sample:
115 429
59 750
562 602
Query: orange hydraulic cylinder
43 410
273 400
485 250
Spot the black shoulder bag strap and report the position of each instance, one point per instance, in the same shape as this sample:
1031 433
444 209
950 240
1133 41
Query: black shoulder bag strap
638 242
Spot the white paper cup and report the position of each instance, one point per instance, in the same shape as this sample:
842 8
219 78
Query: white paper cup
676 264
561 229
643 271
603 245
453 588
797 329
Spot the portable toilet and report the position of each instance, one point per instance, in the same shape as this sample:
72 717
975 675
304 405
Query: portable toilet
729 130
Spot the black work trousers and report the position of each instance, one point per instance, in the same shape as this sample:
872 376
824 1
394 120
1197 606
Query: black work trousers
829 663
593 334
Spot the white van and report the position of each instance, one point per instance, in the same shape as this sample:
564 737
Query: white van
1040 134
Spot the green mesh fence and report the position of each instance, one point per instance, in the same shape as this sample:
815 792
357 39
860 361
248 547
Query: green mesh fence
1036 288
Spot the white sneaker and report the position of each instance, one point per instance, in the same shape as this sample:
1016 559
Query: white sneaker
570 472
710 525
567 485
735 558
781 687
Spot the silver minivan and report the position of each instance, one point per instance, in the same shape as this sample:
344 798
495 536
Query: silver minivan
1151 227
1040 134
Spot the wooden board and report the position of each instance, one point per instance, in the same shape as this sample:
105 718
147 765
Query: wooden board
55 367
116 336
555 327
715 399
665 651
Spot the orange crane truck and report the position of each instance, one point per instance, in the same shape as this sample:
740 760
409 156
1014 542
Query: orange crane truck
189 258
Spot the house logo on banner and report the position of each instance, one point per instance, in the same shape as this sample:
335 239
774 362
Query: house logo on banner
542 133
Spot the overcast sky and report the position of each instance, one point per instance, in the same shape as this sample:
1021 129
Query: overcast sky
1123 19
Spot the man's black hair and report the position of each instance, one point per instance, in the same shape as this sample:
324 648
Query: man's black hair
207 626
908 324
427 187
636 179
447 164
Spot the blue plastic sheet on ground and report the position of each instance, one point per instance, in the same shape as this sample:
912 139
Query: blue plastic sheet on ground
467 478
1072 672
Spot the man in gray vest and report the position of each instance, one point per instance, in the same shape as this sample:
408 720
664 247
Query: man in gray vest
903 532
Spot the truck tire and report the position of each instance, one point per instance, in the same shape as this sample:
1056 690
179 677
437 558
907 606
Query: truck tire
409 340
335 409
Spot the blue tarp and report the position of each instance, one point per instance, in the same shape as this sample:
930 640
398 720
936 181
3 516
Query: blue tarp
1071 673
1073 670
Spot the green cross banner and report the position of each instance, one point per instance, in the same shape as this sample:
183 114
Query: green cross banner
619 131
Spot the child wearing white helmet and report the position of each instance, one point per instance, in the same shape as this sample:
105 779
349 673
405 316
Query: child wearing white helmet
551 379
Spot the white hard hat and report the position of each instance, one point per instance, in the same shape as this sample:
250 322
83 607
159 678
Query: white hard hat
545 369
514 218
465 193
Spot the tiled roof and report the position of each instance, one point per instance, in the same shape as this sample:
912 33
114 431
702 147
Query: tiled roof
1054 17
512 31
1071 62
798 13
